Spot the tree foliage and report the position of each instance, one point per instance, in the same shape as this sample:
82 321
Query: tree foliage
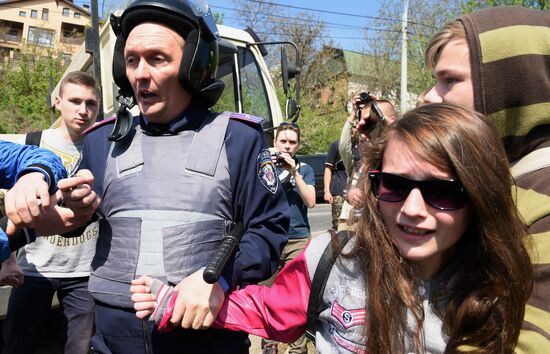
425 18
473 5
25 88
320 123
384 37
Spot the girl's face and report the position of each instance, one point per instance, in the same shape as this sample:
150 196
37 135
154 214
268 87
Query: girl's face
424 235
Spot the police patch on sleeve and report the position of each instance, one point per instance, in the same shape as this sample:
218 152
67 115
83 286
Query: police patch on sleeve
266 171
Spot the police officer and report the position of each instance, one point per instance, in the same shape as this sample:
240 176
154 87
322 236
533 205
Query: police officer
173 180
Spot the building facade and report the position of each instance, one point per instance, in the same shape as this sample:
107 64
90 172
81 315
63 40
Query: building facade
57 25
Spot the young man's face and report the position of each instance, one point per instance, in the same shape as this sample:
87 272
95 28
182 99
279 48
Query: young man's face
153 55
78 105
453 76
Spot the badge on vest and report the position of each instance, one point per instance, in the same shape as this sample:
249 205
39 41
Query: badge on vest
266 171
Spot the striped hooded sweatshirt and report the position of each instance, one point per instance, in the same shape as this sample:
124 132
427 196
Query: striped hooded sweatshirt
510 61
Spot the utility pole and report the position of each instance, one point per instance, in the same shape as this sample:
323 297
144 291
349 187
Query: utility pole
96 57
404 93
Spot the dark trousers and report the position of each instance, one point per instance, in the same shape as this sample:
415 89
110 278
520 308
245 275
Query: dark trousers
119 331
26 323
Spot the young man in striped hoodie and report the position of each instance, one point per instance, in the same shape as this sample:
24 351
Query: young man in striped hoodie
497 61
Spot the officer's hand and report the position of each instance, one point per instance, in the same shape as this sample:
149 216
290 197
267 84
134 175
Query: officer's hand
198 302
78 195
27 200
11 274
328 197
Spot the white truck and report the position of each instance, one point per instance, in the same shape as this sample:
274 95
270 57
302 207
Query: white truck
248 89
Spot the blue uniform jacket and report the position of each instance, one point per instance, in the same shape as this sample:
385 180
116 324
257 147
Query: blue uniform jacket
265 214
16 160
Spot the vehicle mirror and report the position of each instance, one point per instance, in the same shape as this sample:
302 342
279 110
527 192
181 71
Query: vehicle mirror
288 71
284 72
291 108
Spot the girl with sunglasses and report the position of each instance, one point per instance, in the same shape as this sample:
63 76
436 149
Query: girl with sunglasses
438 263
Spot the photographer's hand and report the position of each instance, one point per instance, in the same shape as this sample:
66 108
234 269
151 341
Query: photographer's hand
365 116
290 163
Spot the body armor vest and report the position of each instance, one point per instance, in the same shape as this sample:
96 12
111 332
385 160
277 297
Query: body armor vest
167 201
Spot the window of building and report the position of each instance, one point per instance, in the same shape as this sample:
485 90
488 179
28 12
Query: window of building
77 15
65 11
42 37
34 14
12 35
45 13
23 13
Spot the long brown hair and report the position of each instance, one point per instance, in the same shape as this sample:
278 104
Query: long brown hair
485 299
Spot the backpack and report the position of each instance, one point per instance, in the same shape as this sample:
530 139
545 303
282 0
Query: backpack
33 138
319 282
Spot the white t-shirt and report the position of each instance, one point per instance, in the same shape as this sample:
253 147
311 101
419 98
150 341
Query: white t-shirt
57 256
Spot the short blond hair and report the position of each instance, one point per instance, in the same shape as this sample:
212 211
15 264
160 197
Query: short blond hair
452 30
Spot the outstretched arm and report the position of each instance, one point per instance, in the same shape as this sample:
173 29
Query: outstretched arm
278 312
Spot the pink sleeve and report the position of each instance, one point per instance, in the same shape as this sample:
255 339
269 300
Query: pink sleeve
278 313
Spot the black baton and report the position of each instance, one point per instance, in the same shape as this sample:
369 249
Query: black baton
230 241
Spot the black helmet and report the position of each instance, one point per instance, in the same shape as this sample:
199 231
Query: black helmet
195 24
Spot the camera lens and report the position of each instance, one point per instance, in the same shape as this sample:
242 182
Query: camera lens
364 97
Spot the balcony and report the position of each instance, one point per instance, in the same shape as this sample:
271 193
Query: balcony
71 34
12 38
11 33
77 40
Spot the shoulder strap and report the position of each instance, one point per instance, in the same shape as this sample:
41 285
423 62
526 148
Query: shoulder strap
204 159
245 118
533 161
33 138
315 304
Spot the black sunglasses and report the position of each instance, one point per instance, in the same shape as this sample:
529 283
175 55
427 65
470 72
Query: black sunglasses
442 194
293 125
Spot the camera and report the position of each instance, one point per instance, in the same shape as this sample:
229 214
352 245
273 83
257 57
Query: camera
364 98
279 159
372 126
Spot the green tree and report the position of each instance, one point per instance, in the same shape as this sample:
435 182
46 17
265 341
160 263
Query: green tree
425 18
472 5
26 86
271 23
383 35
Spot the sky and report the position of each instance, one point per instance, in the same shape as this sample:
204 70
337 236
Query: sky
344 19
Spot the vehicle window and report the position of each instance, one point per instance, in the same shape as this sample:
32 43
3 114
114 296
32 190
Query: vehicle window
253 92
226 74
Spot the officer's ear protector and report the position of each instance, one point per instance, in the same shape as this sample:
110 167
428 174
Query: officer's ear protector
200 52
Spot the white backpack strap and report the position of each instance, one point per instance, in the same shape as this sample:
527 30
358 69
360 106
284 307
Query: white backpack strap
533 161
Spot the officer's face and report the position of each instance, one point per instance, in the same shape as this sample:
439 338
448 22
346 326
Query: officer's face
153 54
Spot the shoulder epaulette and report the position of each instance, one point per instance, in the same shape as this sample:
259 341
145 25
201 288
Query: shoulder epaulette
246 118
110 120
